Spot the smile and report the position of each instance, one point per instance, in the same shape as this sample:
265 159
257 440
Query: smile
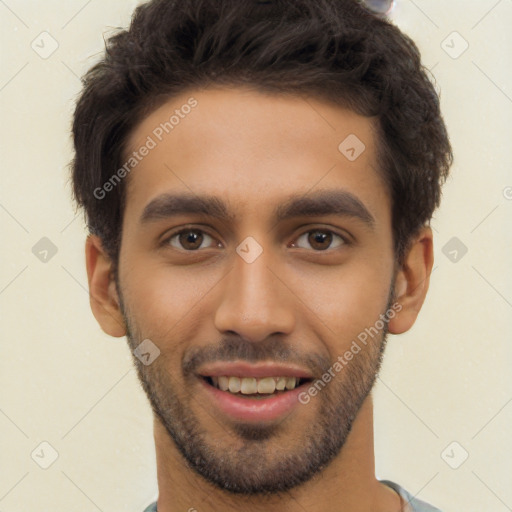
253 393
252 386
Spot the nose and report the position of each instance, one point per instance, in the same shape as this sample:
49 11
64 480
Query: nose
256 302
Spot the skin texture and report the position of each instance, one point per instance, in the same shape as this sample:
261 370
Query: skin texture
302 299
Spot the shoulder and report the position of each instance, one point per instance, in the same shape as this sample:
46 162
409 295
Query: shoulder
415 504
151 508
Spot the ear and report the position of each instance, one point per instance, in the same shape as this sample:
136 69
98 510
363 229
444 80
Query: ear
412 280
103 295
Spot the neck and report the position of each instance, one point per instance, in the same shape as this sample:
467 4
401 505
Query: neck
348 484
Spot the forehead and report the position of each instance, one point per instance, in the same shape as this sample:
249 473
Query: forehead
251 149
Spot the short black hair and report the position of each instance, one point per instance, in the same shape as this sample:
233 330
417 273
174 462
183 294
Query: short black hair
335 50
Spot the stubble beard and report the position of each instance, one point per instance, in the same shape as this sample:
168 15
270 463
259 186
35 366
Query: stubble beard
252 468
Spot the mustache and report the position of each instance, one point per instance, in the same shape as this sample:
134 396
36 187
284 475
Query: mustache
236 348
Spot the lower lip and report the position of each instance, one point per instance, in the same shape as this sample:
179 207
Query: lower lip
253 409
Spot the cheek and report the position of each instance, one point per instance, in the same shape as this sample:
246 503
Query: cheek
348 299
165 300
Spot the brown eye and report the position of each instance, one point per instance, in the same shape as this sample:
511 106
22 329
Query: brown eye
189 239
321 239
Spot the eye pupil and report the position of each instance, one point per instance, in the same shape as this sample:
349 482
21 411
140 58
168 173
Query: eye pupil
191 236
319 236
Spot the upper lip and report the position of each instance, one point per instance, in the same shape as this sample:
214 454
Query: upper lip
241 369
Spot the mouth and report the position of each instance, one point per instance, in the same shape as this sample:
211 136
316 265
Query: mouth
253 393
252 387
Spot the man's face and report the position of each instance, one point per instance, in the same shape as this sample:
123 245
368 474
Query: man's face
254 295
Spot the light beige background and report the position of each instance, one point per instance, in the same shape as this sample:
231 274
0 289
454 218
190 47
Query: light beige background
64 382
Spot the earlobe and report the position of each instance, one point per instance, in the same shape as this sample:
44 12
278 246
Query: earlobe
103 294
412 281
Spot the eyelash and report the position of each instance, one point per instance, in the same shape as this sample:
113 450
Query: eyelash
345 240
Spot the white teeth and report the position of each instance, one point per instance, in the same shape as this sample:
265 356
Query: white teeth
266 385
234 384
290 383
250 385
281 383
223 383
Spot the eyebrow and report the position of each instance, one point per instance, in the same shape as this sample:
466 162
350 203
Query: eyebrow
314 204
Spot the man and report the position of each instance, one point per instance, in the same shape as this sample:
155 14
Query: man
258 179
